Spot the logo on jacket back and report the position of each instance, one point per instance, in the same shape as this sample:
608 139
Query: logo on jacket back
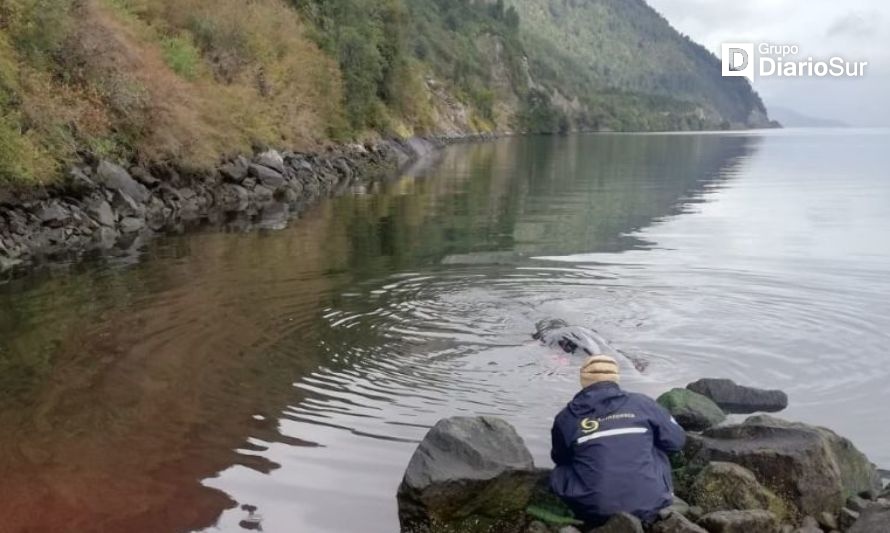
589 426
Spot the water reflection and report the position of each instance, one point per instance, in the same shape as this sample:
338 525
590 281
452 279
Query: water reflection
497 202
124 388
286 375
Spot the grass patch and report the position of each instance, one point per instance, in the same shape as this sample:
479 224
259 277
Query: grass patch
181 56
20 160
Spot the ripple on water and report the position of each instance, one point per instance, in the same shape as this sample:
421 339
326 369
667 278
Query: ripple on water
417 345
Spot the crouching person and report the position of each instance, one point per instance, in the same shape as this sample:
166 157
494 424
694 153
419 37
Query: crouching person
610 448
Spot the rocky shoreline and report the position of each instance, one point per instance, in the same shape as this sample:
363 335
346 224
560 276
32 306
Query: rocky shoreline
104 207
763 475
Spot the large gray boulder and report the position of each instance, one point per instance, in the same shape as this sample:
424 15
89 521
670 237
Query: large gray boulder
267 176
740 522
693 411
739 399
116 178
271 159
469 474
100 211
812 468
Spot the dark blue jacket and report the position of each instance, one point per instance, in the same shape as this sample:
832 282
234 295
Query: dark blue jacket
610 448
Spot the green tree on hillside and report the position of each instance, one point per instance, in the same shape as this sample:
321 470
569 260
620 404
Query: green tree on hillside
381 44
367 38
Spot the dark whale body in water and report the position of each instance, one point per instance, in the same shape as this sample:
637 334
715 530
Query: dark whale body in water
578 340
575 340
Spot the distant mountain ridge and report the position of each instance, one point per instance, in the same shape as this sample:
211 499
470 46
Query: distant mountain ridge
790 118
625 46
558 65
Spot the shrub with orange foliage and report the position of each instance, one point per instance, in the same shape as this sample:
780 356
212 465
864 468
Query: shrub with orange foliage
185 80
260 80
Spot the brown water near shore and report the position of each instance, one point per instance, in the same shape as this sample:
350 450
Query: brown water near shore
295 370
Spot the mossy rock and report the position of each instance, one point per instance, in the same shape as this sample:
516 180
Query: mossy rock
693 411
683 478
722 486
547 507
471 524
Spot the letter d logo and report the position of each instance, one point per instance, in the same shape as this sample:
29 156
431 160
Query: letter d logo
737 60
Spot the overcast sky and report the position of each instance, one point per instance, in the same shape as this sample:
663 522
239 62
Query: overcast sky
853 29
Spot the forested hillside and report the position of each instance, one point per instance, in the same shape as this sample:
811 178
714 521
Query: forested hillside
629 66
190 80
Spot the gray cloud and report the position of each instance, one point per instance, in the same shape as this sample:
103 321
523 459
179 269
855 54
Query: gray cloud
858 25
858 30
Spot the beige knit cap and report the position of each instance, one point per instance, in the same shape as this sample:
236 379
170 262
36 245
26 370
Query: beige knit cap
599 368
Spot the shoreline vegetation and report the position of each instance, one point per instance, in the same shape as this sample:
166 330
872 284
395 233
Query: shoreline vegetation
764 475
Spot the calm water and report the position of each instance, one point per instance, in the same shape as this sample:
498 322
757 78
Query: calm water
296 370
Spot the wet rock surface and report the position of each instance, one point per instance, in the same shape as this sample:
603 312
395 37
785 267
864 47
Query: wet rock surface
811 468
726 486
740 399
